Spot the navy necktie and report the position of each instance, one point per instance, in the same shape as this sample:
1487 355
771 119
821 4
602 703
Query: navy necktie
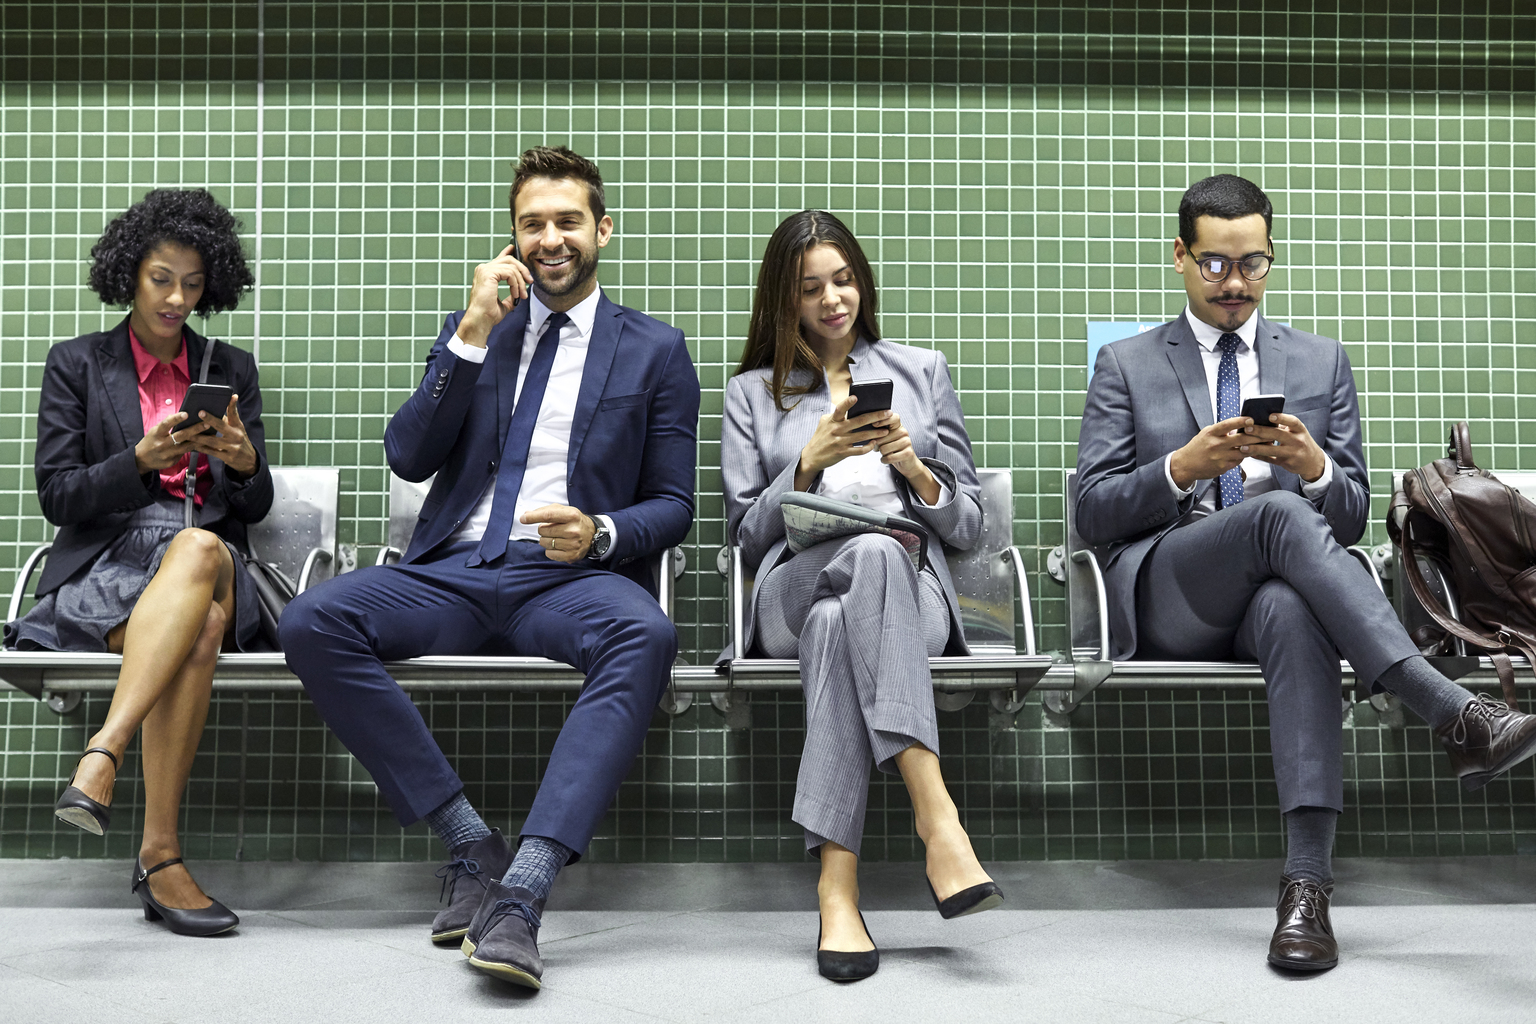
1229 396
514 453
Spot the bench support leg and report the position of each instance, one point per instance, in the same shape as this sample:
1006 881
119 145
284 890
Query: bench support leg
1086 677
733 705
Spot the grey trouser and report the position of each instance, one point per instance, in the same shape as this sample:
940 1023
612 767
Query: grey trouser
863 624
1266 581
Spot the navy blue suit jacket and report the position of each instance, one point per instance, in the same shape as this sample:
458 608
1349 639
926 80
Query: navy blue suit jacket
634 440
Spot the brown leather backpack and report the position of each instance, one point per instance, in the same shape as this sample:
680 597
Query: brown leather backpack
1481 533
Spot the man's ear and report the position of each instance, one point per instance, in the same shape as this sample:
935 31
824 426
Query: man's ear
604 230
1179 252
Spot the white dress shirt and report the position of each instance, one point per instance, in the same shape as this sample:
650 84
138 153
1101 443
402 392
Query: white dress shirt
544 477
865 480
1257 475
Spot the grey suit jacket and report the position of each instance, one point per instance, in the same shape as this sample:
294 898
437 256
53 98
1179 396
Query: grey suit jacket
1149 395
760 450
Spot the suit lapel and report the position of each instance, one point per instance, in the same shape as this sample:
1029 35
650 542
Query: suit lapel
1184 355
508 353
114 357
601 348
1272 359
1266 344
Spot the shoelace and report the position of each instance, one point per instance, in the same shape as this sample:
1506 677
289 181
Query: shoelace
507 907
454 870
1481 707
1308 895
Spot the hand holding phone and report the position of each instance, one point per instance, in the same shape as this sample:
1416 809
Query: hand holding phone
210 398
1260 408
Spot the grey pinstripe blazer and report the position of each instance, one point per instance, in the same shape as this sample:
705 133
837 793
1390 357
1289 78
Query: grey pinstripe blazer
760 449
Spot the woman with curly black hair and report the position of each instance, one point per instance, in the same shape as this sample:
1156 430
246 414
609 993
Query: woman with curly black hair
125 573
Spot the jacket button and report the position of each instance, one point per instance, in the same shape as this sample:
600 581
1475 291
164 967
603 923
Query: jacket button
491 466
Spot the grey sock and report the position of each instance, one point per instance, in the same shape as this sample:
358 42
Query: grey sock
536 864
457 824
1309 843
1427 693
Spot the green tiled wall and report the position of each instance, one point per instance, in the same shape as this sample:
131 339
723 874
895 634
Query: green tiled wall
1012 173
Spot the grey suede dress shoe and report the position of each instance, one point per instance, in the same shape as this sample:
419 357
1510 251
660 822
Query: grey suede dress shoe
503 938
464 881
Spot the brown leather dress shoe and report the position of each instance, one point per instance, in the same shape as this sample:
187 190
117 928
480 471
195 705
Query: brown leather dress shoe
1303 939
1486 740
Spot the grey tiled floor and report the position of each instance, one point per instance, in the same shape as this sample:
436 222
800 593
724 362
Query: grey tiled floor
1423 940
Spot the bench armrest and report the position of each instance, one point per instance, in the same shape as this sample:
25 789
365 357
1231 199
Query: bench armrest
1022 582
316 556
24 580
387 555
1086 558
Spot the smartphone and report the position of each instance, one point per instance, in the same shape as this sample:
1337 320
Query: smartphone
1260 407
873 396
210 398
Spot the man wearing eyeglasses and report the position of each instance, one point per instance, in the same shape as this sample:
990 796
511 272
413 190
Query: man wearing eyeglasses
1225 538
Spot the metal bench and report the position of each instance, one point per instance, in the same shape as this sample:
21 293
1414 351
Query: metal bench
1076 564
298 535
987 578
511 673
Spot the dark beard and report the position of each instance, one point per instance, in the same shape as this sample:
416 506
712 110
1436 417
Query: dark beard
581 273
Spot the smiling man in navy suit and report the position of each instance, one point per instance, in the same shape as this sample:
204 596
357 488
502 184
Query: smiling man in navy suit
562 431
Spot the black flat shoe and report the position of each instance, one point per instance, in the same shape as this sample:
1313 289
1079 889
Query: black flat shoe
836 965
968 901
210 920
80 810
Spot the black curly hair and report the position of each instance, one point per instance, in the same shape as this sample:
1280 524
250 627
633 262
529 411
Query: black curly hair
190 217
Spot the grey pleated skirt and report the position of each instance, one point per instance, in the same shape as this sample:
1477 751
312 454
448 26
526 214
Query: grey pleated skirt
90 604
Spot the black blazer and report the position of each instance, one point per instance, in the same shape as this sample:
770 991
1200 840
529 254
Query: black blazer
88 420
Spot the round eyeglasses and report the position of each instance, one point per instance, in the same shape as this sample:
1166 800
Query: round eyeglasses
1216 269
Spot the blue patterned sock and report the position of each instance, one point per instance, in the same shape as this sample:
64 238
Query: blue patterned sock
1309 843
457 824
536 864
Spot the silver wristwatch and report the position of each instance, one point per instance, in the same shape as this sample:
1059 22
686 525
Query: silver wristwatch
602 540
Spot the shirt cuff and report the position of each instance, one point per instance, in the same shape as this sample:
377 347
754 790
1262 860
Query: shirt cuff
613 531
1178 494
463 350
944 495
1317 488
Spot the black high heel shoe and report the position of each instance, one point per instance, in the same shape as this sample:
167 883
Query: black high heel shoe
968 901
209 920
836 965
80 810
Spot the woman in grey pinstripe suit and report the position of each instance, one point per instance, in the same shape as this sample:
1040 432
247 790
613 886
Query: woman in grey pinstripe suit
861 620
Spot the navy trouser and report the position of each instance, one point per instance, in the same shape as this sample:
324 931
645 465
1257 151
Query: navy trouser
337 635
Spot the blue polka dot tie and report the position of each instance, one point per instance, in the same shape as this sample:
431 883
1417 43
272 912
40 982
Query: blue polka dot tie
1229 399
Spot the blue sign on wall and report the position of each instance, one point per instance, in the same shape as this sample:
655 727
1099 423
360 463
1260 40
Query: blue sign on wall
1102 332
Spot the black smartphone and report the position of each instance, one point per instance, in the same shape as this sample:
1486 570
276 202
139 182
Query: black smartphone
1259 408
873 396
210 398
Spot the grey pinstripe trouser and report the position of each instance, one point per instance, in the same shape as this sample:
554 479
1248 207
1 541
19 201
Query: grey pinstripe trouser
863 625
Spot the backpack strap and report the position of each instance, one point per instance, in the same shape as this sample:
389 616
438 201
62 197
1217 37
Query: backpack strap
1496 646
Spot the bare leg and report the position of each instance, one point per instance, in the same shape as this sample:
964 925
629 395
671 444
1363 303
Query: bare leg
952 864
170 615
172 730
838 891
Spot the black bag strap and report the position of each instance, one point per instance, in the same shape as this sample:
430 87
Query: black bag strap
189 505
